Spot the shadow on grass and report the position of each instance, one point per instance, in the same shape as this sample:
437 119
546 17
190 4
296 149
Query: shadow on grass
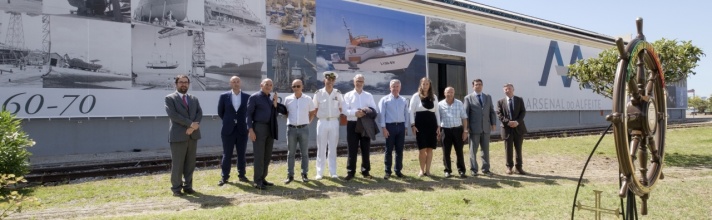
688 160
207 201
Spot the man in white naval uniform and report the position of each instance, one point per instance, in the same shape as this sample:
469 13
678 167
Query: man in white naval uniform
328 102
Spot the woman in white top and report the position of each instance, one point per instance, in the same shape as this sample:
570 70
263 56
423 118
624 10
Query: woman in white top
425 122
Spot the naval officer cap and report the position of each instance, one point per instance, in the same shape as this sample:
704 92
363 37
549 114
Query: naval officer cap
330 75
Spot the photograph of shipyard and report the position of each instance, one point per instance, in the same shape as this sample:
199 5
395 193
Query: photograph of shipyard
446 35
104 62
238 17
23 56
159 54
228 55
33 7
109 10
288 61
378 43
188 14
291 20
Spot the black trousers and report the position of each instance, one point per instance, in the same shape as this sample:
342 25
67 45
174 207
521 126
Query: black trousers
356 142
513 142
453 136
262 151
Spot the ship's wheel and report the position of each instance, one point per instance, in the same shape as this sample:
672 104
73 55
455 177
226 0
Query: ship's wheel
639 118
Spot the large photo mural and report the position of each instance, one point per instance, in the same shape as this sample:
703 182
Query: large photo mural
115 58
379 43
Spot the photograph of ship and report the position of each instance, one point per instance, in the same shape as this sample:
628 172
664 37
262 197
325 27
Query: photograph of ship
288 61
291 20
159 54
228 55
108 10
188 14
103 62
239 17
378 43
33 7
446 35
23 56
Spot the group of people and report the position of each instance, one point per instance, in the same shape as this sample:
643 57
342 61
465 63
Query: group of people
450 121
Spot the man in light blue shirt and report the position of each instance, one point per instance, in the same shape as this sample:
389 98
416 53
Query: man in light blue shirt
393 120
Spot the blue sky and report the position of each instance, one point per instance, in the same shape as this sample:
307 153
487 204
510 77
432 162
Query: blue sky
681 20
392 26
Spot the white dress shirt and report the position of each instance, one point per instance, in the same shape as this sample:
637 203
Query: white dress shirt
236 99
353 101
328 104
298 109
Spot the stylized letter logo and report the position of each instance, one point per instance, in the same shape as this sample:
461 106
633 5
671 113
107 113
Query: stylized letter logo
561 70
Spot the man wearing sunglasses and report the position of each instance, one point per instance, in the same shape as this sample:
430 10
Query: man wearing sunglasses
301 113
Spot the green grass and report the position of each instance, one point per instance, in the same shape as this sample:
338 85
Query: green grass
547 194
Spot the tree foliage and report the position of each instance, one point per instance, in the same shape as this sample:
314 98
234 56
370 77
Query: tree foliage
13 164
14 142
678 60
698 103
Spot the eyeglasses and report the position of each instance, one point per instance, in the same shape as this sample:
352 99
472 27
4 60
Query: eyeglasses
179 82
297 86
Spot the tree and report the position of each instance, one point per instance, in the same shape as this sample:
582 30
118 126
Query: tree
13 164
678 60
698 103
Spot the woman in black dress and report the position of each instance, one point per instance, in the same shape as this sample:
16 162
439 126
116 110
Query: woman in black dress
425 122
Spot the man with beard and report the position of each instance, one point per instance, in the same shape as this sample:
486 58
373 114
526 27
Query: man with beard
185 115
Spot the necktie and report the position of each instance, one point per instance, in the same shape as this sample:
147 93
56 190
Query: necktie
511 107
479 98
185 101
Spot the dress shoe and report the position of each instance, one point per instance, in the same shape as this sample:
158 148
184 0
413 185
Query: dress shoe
463 175
334 176
474 174
222 182
366 175
399 174
448 175
521 172
289 179
318 177
487 173
349 177
177 193
243 179
509 171
188 191
260 187
267 183
304 178
387 176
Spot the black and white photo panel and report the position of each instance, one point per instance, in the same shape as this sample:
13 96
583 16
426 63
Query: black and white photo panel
88 53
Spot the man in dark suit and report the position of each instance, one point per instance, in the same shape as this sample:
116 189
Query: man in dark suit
262 109
232 107
481 122
185 115
511 112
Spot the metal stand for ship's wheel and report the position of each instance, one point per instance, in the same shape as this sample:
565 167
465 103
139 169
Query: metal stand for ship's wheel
639 121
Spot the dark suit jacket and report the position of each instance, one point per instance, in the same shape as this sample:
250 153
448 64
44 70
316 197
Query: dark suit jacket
517 115
480 118
229 114
181 117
